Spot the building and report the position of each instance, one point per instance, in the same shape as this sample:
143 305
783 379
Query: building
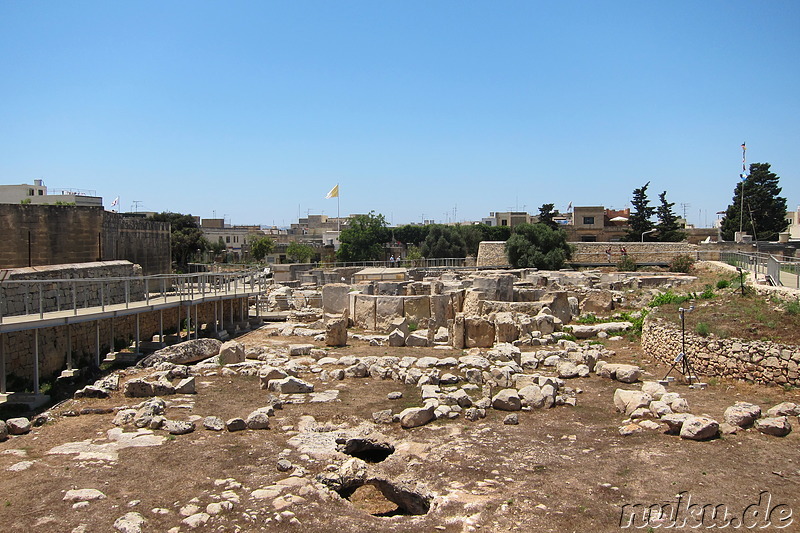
38 194
597 224
235 238
507 218
793 218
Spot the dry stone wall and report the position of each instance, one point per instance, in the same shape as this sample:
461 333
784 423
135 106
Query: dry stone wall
757 361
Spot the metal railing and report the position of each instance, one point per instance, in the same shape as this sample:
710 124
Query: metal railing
40 296
783 271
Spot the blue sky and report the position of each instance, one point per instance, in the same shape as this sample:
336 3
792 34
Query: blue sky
447 110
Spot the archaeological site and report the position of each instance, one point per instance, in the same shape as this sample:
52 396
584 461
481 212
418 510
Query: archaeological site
399 399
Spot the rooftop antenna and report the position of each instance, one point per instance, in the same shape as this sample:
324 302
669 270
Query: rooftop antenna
136 205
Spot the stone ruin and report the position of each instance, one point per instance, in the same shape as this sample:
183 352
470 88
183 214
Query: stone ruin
471 310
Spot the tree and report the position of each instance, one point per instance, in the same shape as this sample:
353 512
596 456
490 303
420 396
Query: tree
411 233
261 246
764 209
668 228
300 252
546 215
443 241
537 246
187 237
639 220
363 238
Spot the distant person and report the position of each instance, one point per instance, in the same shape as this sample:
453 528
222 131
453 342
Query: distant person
623 251
608 254
391 261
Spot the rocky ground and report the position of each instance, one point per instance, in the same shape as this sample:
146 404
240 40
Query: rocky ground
564 468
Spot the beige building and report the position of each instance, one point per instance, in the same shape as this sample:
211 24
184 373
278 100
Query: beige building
507 218
37 194
793 218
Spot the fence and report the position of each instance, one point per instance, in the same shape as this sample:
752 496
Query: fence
31 297
783 272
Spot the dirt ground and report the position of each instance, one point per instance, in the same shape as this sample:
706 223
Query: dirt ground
561 469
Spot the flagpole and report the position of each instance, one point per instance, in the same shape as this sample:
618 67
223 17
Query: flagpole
338 218
741 208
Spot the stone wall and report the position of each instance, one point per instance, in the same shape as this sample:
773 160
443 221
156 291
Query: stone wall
37 235
492 254
23 298
53 343
757 361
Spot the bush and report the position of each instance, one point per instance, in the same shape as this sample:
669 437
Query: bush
626 264
681 263
723 284
668 297
708 293
793 308
702 329
589 318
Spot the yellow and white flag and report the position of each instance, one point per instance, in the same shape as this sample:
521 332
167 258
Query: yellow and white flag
334 193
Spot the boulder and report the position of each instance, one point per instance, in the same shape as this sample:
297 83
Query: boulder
531 395
784 409
18 426
290 385
335 298
236 424
300 349
654 389
416 416
567 370
3 431
231 353
419 339
129 523
778 426
213 423
397 338
620 372
699 428
627 401
507 400
186 386
742 414
138 388
505 327
177 427
182 353
258 419
675 421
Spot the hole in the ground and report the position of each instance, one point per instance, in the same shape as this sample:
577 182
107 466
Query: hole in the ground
380 497
368 450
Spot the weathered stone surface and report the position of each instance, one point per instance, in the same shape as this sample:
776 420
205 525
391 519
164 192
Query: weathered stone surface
290 385
784 409
531 395
129 523
742 414
507 400
479 332
778 426
627 401
236 424
654 389
364 312
567 370
620 372
83 495
178 427
397 338
186 386
416 416
336 332
630 429
387 309
383 417
296 350
213 423
3 431
511 419
334 298
675 421
505 327
419 339
138 388
230 353
184 352
417 309
258 419
699 428
18 426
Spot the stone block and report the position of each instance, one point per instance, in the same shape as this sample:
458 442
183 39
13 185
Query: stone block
334 298
387 309
417 308
364 313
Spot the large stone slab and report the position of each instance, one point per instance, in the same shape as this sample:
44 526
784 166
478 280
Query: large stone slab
334 298
478 332
183 353
364 314
387 309
417 308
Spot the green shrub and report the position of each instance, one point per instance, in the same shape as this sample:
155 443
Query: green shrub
708 293
637 319
588 318
702 329
681 263
793 308
669 297
723 284
626 264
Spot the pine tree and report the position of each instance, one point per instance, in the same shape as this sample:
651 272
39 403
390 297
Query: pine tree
546 215
639 220
764 209
668 228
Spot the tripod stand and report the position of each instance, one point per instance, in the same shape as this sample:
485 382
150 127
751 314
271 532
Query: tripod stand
682 359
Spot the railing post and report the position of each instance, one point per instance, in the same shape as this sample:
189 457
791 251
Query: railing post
36 361
41 302
74 299
127 293
147 291
2 364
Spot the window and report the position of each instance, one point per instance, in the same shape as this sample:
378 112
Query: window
588 238
504 222
41 192
589 221
30 192
228 239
